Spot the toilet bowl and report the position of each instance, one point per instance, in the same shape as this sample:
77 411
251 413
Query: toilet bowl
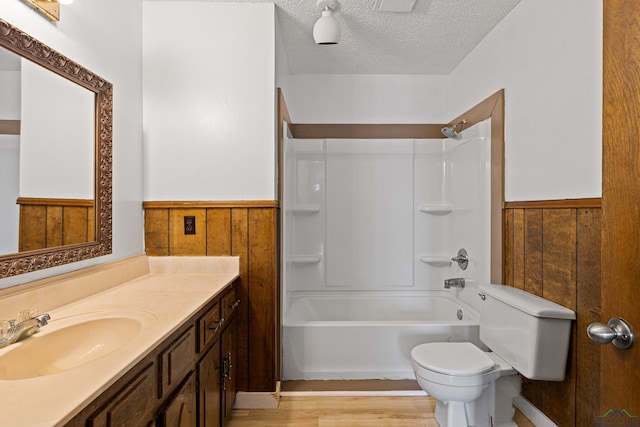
464 380
473 388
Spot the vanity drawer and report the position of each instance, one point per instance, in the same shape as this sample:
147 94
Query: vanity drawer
230 303
177 360
209 326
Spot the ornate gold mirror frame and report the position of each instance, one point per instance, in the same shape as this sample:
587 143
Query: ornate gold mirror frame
29 48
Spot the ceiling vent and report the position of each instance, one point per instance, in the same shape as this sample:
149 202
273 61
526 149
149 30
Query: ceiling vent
402 6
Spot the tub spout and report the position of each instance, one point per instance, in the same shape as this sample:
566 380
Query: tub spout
457 282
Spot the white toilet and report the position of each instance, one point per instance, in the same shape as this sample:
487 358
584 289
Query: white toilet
525 333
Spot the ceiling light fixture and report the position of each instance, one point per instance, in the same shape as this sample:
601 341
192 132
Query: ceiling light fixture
327 28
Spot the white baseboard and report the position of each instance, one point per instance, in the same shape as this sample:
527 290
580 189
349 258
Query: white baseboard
535 415
258 400
355 393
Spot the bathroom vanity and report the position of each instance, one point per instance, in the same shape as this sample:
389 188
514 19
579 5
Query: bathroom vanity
170 340
192 369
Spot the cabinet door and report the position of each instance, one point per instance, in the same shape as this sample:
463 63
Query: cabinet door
181 411
132 406
210 380
229 363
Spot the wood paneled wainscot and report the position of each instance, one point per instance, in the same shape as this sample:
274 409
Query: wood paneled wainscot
239 228
552 249
48 223
186 381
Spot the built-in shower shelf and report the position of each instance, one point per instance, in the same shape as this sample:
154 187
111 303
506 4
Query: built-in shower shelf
435 260
304 259
304 208
435 209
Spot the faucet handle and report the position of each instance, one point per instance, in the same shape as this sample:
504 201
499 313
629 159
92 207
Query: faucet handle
462 259
22 316
4 328
30 313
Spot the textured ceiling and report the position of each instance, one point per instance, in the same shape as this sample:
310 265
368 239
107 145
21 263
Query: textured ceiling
432 39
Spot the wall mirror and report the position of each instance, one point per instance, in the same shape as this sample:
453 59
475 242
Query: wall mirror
55 157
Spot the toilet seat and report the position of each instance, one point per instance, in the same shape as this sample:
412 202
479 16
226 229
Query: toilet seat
452 358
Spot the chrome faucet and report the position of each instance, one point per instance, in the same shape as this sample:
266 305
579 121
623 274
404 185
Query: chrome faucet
16 330
457 282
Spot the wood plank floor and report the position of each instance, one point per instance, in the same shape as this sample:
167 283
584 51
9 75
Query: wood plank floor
346 411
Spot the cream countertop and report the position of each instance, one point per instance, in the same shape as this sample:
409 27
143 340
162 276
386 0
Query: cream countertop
172 291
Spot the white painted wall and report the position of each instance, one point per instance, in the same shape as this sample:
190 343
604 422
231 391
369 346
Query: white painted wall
282 64
9 163
9 182
56 129
367 98
105 37
209 74
10 99
547 55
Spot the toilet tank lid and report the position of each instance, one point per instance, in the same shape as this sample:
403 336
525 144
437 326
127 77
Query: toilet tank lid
527 302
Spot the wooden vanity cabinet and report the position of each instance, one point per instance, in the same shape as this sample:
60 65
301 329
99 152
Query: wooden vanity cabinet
186 381
216 370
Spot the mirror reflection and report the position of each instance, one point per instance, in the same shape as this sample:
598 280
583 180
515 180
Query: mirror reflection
47 152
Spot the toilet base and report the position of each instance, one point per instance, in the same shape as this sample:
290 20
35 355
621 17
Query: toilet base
494 407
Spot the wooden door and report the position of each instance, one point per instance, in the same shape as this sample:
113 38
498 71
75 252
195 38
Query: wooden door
620 369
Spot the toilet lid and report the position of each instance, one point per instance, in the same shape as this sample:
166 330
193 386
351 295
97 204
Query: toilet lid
452 358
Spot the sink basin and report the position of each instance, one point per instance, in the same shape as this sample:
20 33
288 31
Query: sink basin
70 343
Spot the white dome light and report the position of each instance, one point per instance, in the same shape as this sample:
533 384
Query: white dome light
327 29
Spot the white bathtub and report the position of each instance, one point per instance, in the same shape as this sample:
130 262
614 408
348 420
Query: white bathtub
368 335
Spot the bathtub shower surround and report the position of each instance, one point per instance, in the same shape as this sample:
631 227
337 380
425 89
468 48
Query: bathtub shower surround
371 226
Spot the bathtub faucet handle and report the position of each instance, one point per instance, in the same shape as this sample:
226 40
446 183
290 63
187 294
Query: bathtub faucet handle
462 259
457 282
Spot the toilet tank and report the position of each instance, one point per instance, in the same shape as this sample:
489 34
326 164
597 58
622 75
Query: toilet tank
527 331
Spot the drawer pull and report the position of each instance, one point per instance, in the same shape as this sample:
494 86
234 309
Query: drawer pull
223 379
234 305
217 326
229 366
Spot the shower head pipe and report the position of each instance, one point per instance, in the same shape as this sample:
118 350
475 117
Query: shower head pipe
450 131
